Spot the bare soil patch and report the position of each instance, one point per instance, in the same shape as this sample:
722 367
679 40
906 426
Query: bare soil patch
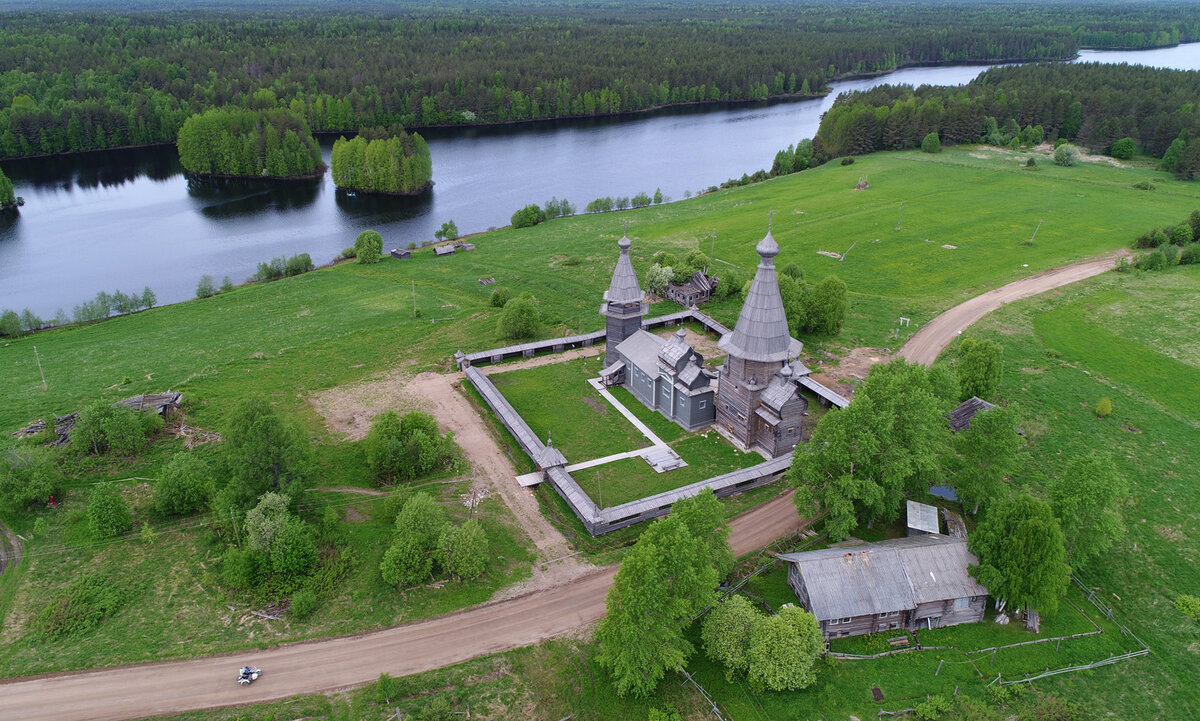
353 515
703 344
851 370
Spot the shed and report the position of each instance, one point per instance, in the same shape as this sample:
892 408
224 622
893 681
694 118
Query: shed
960 417
401 253
922 519
440 250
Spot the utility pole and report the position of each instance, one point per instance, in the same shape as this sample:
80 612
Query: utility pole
414 294
38 358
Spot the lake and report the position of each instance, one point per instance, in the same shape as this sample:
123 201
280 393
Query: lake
125 219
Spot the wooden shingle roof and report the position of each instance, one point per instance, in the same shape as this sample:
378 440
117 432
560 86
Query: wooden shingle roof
960 417
761 332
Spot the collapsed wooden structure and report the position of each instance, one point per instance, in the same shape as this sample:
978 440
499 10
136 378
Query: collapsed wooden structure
160 403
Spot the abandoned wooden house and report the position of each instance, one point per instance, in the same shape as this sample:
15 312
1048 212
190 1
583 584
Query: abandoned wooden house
698 289
401 253
960 417
910 583
440 250
922 519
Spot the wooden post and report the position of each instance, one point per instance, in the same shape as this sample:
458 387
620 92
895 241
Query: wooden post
38 358
414 294
939 668
901 216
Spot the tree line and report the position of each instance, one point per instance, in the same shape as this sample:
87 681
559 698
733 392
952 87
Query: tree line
248 143
1108 108
382 161
111 76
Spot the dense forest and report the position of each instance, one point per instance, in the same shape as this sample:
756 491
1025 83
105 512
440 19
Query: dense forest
383 161
249 143
6 191
1092 104
81 76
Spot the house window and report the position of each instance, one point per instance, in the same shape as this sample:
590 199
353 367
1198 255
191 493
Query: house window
961 604
895 613
893 624
883 615
666 392
833 622
703 404
846 620
741 417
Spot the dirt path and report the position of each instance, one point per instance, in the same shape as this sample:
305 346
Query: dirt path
339 663
929 342
10 548
351 489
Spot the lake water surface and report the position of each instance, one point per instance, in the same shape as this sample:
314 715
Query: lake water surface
125 219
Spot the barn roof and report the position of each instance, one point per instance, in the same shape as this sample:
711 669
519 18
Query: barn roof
624 287
761 333
960 417
891 575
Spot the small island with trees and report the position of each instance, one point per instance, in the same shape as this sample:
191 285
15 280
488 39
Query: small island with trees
386 161
8 201
231 143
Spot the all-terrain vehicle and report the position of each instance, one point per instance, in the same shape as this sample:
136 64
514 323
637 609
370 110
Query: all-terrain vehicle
248 675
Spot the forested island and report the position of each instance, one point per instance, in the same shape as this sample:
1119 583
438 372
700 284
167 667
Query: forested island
83 77
227 142
383 160
1095 105
7 198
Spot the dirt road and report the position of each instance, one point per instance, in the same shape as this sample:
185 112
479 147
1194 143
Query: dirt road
929 342
161 688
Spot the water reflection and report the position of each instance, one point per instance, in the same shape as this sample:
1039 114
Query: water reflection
383 208
222 198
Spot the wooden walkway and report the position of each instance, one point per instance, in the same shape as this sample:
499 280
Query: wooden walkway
827 396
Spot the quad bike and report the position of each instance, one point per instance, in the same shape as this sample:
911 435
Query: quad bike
248 675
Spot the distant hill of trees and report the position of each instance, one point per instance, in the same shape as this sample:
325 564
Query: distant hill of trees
84 76
1091 104
249 143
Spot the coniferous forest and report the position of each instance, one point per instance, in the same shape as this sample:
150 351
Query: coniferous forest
1091 104
249 143
81 76
382 161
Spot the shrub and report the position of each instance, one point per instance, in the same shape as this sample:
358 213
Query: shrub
226 284
847 161
10 324
298 264
1104 407
1031 163
108 514
184 487
499 297
1156 260
519 319
241 569
206 288
664 714
368 246
80 607
104 427
931 143
1123 149
641 200
1066 155
1182 234
1190 254
349 252
528 216
932 708
304 602
1189 606
1143 185
40 527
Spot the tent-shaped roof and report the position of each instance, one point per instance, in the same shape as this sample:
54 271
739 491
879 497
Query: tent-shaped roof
960 417
624 287
761 333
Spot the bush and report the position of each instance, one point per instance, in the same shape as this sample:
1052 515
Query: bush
273 270
664 714
206 288
304 602
184 487
226 284
10 324
1104 407
298 264
1156 260
27 477
241 569
368 246
1189 606
1031 163
528 216
1190 254
1143 185
1182 234
349 252
1066 155
1123 149
932 708
931 143
499 297
519 319
108 514
80 607
103 427
848 161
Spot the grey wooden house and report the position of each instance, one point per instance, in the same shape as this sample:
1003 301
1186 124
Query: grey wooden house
698 289
910 583
669 376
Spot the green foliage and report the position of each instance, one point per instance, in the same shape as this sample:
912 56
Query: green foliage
10 324
463 550
1066 155
184 486
407 448
263 452
207 287
500 297
528 216
783 651
1022 554
418 528
266 521
349 252
242 569
932 708
828 307
108 513
1124 148
1189 606
519 319
147 534
148 298
368 246
979 367
661 714
663 581
863 459
657 278
293 551
986 452
28 476
80 607
6 191
397 164
1086 498
726 634
931 143
1104 407
116 428
248 143
448 231
303 605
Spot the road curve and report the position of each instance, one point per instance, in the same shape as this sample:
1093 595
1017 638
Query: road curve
929 342
319 666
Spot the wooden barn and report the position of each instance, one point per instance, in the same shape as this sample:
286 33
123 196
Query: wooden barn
911 583
698 289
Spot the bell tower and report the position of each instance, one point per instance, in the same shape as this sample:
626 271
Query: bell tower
624 303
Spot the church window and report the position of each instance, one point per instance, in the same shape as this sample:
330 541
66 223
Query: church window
704 404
